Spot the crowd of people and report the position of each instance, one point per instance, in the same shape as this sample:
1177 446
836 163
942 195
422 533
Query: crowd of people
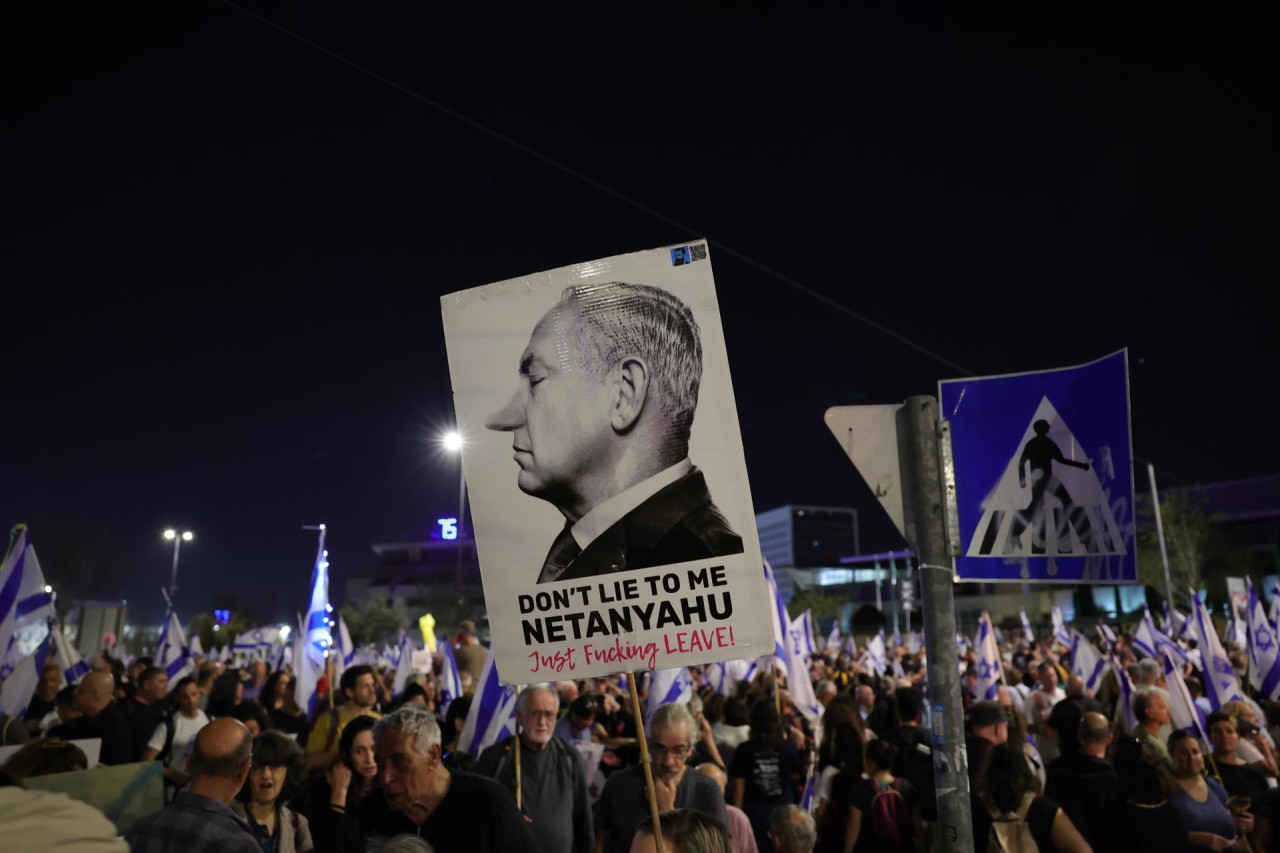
1051 766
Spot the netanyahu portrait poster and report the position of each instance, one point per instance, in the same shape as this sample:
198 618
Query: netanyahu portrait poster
608 486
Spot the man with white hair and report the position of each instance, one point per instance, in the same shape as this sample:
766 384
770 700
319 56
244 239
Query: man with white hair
623 803
553 787
792 830
451 810
600 424
825 691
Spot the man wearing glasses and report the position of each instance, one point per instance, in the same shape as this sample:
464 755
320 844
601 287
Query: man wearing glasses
552 785
623 803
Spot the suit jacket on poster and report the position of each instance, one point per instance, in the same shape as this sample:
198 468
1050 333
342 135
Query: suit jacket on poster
678 524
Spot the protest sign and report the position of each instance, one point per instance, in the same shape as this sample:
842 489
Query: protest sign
622 536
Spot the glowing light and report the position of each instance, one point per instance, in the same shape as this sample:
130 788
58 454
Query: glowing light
328 608
216 627
284 632
170 534
452 441
448 528
48 589
187 536
322 527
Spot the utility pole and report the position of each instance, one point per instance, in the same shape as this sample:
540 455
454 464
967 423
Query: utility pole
1164 554
919 435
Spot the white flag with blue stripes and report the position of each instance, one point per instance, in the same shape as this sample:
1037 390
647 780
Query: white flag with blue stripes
490 703
833 639
1060 632
1264 663
1151 641
1183 712
667 686
1027 632
1086 662
68 656
20 684
450 681
314 638
26 601
1220 685
802 635
990 673
172 654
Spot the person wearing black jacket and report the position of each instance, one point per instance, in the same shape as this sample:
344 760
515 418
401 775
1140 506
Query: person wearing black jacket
1082 782
102 719
914 760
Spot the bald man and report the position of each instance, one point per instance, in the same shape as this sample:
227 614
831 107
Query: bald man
198 820
101 718
742 838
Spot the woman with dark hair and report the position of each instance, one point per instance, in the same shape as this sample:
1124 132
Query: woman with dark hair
332 803
225 694
735 728
841 753
1143 818
253 715
880 812
762 776
282 707
1202 802
683 831
275 777
1011 796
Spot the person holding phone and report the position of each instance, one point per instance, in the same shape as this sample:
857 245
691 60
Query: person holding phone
1238 778
1203 802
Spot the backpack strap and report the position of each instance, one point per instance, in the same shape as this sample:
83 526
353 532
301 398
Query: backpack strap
1009 817
169 727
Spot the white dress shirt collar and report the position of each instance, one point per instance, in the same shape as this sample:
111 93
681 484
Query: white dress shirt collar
606 515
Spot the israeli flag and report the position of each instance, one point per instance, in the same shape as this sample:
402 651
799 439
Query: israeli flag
20 684
172 654
489 703
450 682
833 639
876 655
26 602
257 643
1151 642
405 666
667 686
802 635
1264 663
806 800
1275 606
197 648
1108 636
1027 631
723 675
897 638
913 643
1126 693
781 622
314 638
1182 709
1060 632
68 656
990 673
1086 662
1220 685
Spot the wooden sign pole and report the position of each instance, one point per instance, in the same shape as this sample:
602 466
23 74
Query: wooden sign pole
517 747
644 760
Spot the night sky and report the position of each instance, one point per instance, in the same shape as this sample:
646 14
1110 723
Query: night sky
225 249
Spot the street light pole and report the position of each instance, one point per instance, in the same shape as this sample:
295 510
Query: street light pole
452 442
178 539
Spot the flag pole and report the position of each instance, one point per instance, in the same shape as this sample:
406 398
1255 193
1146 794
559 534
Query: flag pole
1164 551
644 760
517 749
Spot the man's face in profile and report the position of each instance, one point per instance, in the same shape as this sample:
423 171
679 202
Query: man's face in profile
558 416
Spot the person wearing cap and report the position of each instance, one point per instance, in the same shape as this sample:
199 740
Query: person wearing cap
988 725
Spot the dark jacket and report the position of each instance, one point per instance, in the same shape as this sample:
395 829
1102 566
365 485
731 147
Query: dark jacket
108 724
1084 786
678 524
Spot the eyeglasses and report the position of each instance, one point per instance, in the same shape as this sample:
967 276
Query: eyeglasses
659 750
542 715
276 769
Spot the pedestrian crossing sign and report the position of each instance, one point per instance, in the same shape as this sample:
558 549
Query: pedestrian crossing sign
1043 474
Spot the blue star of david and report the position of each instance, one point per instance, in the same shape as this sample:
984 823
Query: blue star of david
984 670
1265 640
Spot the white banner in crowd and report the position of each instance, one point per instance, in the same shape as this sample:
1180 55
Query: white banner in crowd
621 535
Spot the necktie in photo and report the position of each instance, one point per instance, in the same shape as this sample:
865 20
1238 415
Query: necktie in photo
562 553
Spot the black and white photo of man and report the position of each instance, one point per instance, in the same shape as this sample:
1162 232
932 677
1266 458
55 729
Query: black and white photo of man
600 423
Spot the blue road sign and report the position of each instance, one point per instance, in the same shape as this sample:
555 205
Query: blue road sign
1044 474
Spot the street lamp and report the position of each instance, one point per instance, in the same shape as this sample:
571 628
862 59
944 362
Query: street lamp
452 442
177 539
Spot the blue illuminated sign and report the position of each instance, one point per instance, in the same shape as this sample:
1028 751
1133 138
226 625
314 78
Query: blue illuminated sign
448 528
222 617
